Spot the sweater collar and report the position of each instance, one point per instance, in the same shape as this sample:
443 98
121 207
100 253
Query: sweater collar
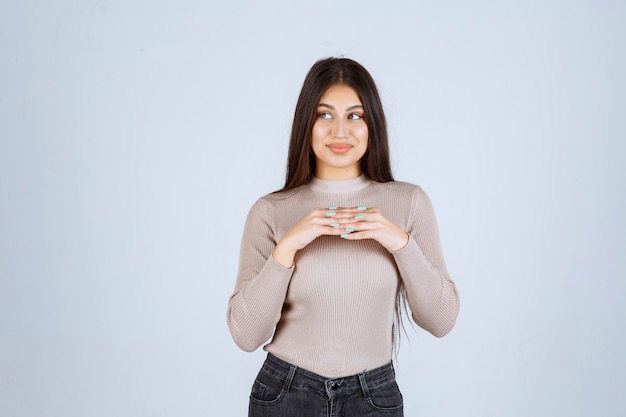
340 186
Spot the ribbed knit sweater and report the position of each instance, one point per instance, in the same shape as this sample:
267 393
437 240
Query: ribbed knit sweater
332 312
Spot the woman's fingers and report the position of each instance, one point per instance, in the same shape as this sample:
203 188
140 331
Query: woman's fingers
350 223
320 221
368 223
354 223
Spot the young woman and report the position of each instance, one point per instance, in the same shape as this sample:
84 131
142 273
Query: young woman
328 261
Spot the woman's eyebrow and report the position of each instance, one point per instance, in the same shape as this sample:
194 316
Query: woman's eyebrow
356 106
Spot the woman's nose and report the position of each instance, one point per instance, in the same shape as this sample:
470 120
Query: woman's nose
339 129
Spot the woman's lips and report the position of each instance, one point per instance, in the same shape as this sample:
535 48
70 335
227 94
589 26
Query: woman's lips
339 148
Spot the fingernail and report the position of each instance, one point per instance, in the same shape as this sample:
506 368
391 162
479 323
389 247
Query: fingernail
349 230
361 208
343 235
330 213
334 224
358 217
333 208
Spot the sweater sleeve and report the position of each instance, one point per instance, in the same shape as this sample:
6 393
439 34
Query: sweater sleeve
431 294
255 306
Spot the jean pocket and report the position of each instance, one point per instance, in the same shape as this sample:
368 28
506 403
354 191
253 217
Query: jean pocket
267 389
386 398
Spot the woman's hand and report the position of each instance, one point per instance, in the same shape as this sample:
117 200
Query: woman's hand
321 221
348 223
369 223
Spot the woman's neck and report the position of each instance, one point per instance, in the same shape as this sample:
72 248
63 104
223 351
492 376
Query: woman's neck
340 185
344 173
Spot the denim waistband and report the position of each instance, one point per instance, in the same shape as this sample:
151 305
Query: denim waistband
347 385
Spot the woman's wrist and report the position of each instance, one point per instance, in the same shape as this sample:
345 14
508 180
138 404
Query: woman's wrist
401 244
283 257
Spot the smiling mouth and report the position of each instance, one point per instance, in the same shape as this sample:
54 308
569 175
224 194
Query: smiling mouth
339 148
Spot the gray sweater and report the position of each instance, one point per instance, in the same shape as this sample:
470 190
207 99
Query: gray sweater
332 312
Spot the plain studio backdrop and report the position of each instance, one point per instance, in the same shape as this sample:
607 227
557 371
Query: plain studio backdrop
135 136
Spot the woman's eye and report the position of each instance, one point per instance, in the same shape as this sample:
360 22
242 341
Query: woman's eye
355 116
324 115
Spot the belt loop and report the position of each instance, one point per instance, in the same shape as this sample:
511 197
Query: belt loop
366 391
290 375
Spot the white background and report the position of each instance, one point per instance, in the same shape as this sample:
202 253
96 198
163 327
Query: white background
135 135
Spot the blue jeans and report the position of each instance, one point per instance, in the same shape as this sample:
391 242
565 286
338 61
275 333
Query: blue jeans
284 390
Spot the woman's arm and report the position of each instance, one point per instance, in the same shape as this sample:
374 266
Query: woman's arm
265 269
254 308
432 295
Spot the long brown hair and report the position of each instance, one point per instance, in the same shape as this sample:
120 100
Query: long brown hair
375 163
324 74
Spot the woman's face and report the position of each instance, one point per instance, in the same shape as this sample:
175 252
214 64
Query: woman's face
340 134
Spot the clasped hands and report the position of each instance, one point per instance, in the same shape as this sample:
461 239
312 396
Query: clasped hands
349 223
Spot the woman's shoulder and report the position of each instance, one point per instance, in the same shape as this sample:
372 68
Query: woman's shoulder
411 194
267 206
280 196
400 187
